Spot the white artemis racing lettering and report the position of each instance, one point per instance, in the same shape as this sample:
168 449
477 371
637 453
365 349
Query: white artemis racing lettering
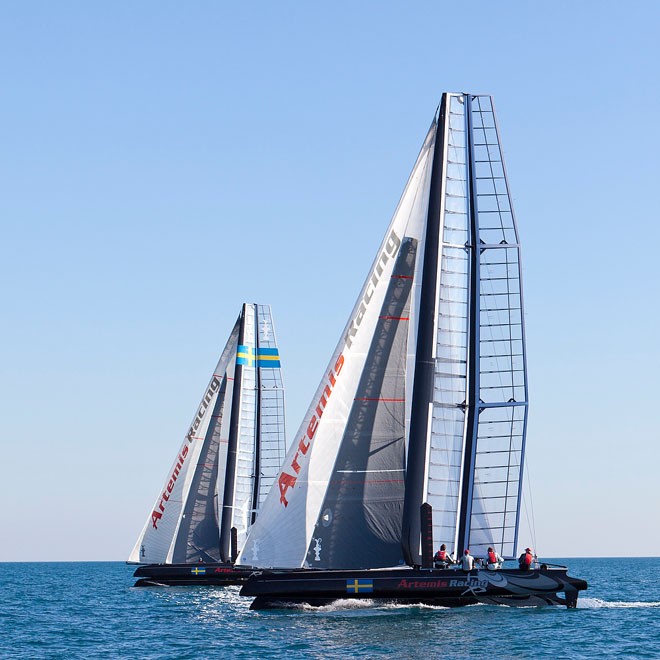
391 246
289 475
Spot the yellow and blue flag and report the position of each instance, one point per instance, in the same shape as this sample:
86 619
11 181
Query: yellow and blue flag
359 586
198 571
264 358
268 358
245 355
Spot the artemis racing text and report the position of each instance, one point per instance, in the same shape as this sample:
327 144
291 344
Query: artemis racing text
157 513
391 247
435 584
286 480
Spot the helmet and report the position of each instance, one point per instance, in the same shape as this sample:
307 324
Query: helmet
528 549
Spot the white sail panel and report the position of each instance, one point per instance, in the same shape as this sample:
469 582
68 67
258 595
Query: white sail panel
271 432
497 476
447 438
284 530
157 541
245 459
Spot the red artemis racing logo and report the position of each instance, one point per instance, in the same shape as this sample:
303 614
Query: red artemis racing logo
287 480
157 513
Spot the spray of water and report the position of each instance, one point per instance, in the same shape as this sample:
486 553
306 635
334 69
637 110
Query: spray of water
597 603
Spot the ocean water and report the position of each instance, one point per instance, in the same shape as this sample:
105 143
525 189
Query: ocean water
91 610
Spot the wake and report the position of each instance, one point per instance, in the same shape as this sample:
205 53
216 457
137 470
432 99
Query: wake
375 606
597 603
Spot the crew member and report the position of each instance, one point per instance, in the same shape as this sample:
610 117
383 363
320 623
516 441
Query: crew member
441 559
493 560
467 561
526 560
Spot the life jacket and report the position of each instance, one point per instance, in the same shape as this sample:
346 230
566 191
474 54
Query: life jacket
527 559
441 555
492 558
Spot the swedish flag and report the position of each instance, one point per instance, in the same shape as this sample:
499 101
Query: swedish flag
198 571
359 586
245 355
268 358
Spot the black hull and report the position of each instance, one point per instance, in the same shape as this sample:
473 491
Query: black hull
440 587
174 575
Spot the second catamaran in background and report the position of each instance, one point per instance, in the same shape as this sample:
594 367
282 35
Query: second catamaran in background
424 402
228 461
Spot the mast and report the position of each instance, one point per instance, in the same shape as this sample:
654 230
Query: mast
232 450
472 400
424 359
257 433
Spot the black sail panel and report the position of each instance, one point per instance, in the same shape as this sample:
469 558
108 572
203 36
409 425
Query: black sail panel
364 500
199 534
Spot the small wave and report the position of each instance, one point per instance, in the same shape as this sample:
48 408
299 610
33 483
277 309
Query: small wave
342 604
348 604
596 603
420 606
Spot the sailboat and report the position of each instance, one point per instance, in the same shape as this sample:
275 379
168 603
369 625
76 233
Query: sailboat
228 461
416 434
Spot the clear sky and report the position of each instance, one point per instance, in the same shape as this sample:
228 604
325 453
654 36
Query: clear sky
161 162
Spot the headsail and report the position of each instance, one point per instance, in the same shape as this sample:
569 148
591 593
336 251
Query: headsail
357 405
425 397
186 523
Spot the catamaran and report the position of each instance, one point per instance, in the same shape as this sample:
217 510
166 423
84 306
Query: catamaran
229 459
416 434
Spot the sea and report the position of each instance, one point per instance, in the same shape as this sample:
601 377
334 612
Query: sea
92 610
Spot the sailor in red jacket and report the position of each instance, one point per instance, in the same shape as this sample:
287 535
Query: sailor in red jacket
494 560
441 558
526 560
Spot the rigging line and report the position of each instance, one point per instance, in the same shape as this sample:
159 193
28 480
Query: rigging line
531 524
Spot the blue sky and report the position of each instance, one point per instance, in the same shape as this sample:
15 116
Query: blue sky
162 162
